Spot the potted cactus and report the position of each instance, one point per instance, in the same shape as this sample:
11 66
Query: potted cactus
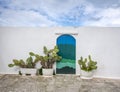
26 67
47 61
87 67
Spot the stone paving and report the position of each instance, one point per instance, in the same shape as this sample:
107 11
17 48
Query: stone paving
57 83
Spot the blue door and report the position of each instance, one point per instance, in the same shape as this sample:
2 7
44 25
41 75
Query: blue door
67 46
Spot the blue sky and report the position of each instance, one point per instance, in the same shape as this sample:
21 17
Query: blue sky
50 13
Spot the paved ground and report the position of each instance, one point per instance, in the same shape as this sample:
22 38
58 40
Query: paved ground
58 83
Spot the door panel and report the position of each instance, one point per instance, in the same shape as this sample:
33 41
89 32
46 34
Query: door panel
67 46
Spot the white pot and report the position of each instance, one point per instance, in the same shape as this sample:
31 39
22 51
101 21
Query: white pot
17 68
47 72
31 71
86 75
38 65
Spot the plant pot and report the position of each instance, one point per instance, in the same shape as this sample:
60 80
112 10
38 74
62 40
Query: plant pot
86 74
31 71
38 65
47 72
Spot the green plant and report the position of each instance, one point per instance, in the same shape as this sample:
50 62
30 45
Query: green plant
49 58
29 63
87 64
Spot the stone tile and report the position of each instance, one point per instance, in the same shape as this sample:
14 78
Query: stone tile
72 89
61 89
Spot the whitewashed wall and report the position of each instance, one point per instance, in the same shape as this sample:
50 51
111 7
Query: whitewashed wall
102 43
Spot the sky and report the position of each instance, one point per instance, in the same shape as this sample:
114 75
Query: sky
52 13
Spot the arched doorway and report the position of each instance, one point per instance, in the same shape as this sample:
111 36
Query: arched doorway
67 46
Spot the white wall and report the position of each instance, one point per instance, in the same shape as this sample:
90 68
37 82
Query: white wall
102 43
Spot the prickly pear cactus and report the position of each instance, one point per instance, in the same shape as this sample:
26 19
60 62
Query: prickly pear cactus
87 64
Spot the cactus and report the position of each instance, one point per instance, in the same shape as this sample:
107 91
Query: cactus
49 58
87 64
29 63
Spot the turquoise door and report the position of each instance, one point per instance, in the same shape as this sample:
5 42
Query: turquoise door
67 46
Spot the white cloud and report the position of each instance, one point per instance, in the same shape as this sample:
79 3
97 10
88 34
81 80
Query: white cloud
60 6
51 7
107 17
59 13
110 12
48 10
24 18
